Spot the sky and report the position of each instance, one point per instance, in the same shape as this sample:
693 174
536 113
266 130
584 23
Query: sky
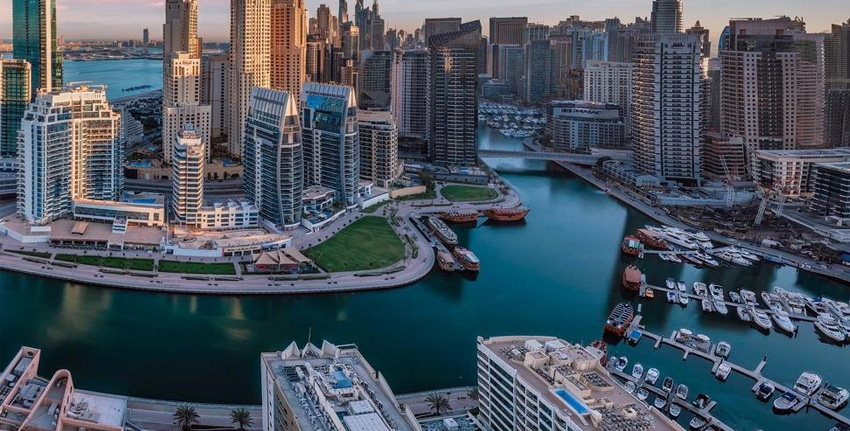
125 19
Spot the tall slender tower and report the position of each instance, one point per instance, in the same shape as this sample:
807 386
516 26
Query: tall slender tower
249 62
180 31
343 12
187 178
667 16
288 46
34 40
15 81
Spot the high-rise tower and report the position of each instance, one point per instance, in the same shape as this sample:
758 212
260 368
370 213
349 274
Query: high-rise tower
34 40
288 46
249 62
180 30
667 16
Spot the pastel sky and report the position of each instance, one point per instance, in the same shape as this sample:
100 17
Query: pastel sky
123 19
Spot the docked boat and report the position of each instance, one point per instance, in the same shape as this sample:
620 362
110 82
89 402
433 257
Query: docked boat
833 397
697 423
667 384
682 391
630 246
721 307
446 261
649 293
708 260
786 402
840 427
468 260
459 217
673 258
723 349
672 297
652 376
670 283
619 319
692 259
630 386
632 278
701 401
827 325
743 314
642 394
761 319
793 300
651 239
683 299
808 383
506 214
735 297
783 322
664 256
816 305
700 288
749 297
637 371
723 371
681 286
659 402
765 391
621 363
706 305
716 292
680 240
771 301
675 411
442 231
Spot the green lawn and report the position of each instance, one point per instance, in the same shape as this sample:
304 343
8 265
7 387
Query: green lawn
368 243
41 254
457 193
196 267
108 262
427 195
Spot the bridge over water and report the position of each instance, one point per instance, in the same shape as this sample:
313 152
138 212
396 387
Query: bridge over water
579 159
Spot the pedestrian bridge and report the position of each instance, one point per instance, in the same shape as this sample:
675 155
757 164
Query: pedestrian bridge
579 159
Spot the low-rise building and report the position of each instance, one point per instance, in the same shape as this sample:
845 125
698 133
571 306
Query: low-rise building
229 214
140 209
831 196
723 156
789 172
628 174
328 388
578 126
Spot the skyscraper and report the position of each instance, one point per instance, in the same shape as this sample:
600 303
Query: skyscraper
378 147
410 92
15 93
453 95
180 30
288 46
34 40
703 33
69 147
538 71
249 62
610 82
181 94
667 116
331 140
187 178
343 12
374 80
215 70
434 26
838 52
508 30
667 16
273 158
146 37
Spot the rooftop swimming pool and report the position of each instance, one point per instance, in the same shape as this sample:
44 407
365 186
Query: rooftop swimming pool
572 401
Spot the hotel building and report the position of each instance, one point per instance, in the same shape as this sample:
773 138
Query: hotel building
181 95
610 82
579 126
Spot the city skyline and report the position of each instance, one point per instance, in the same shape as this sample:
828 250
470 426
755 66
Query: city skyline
116 19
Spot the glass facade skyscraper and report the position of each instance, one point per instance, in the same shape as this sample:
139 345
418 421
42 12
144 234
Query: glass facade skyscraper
14 97
34 40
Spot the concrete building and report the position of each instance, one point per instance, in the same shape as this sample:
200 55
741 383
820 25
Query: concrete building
667 16
435 26
180 30
409 92
831 196
510 31
15 93
453 95
328 388
69 147
837 53
378 147
723 157
53 403
330 140
273 159
666 125
538 71
288 46
317 59
838 117
579 126
187 179
790 172
705 39
374 80
141 209
250 37
610 82
181 96
531 383
34 40
215 86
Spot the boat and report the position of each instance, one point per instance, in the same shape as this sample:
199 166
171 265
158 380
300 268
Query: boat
706 305
761 319
765 391
740 260
721 307
459 217
446 261
620 363
651 239
675 411
682 391
642 394
827 325
697 423
783 322
664 256
619 319
786 402
630 386
667 384
700 288
723 349
652 376
723 371
793 300
672 297
816 305
743 314
749 297
833 397
632 278
630 246
808 383
468 260
716 291
734 297
683 299
706 259
673 258
649 293
637 371
506 214
670 283
682 286
680 240
701 401
602 347
442 231
770 300
659 402
693 260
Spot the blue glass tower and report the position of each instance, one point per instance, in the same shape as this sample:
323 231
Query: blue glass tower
34 40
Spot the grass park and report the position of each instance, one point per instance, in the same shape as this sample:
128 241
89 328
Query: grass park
458 193
196 267
368 243
108 262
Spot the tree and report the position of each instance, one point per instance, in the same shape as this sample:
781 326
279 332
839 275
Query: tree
186 416
241 417
439 403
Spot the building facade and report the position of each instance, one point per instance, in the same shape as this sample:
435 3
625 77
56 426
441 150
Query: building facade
288 46
15 93
180 30
409 92
181 96
187 179
579 126
610 82
538 71
250 25
667 16
374 80
831 195
215 86
34 40
378 147
273 159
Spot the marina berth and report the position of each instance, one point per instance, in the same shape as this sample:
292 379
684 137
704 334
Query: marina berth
786 402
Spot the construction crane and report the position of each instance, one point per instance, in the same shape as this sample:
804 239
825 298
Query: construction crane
730 189
778 192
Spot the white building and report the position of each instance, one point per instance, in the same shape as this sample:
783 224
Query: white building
187 178
791 172
378 147
181 95
610 82
409 91
250 65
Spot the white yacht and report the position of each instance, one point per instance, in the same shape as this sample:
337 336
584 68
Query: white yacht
621 363
675 410
682 391
700 288
723 349
743 314
749 297
723 371
706 305
681 286
652 376
827 325
761 319
786 402
637 371
735 297
793 300
672 297
721 307
684 300
670 283
783 322
716 291
642 394
680 240
833 397
808 383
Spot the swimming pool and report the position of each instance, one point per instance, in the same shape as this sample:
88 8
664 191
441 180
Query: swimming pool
572 401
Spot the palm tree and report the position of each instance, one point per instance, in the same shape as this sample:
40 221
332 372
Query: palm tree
186 416
439 403
472 393
241 417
